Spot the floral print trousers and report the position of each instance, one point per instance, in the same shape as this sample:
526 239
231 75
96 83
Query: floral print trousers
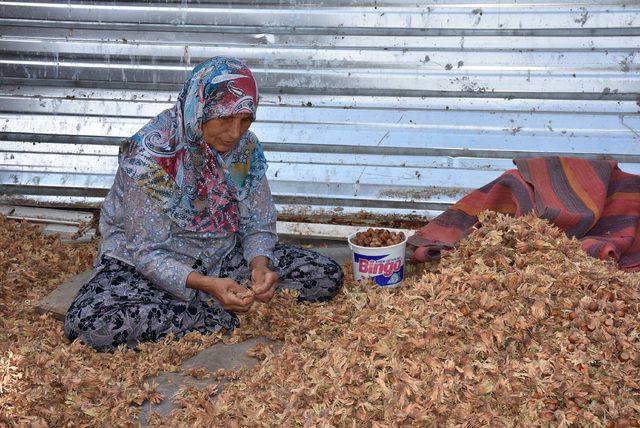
119 306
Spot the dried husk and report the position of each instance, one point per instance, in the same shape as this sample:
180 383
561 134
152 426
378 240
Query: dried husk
480 339
516 327
44 379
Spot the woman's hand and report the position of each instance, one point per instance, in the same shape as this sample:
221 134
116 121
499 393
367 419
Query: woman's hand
231 295
263 279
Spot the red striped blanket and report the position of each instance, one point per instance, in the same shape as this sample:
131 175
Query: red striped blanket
591 200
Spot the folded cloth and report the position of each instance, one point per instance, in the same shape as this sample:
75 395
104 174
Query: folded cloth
591 200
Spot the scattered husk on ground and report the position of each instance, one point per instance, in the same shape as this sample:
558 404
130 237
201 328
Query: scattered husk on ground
44 379
518 326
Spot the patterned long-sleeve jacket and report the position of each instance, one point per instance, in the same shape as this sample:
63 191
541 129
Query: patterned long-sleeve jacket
135 231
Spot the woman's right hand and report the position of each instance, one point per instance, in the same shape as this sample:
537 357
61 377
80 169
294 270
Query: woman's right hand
224 290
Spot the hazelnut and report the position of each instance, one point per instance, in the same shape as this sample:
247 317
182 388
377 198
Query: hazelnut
539 244
581 324
547 415
623 422
377 238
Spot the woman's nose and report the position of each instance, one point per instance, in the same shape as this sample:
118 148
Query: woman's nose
236 127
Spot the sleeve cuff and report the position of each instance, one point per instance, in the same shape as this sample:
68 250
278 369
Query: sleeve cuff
253 253
184 293
171 276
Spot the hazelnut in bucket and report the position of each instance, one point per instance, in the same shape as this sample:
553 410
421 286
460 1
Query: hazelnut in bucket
378 255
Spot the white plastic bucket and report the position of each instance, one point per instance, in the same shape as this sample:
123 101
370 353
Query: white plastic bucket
382 265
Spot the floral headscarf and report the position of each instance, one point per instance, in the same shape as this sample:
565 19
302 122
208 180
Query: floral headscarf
169 158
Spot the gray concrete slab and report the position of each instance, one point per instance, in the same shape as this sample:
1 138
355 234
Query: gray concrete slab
218 356
59 300
334 249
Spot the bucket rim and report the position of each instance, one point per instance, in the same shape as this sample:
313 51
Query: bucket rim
354 246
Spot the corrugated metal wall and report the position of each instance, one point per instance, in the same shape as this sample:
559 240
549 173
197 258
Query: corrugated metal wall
392 107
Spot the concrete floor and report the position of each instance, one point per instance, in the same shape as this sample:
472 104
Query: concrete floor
219 356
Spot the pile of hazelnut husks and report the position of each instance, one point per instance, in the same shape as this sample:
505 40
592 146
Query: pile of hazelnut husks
516 327
377 238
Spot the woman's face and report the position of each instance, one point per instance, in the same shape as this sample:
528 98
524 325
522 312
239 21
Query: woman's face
224 134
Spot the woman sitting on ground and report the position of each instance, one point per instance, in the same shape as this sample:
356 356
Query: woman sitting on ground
190 218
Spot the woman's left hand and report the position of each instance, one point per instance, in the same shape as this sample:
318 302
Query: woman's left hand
264 283
264 280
